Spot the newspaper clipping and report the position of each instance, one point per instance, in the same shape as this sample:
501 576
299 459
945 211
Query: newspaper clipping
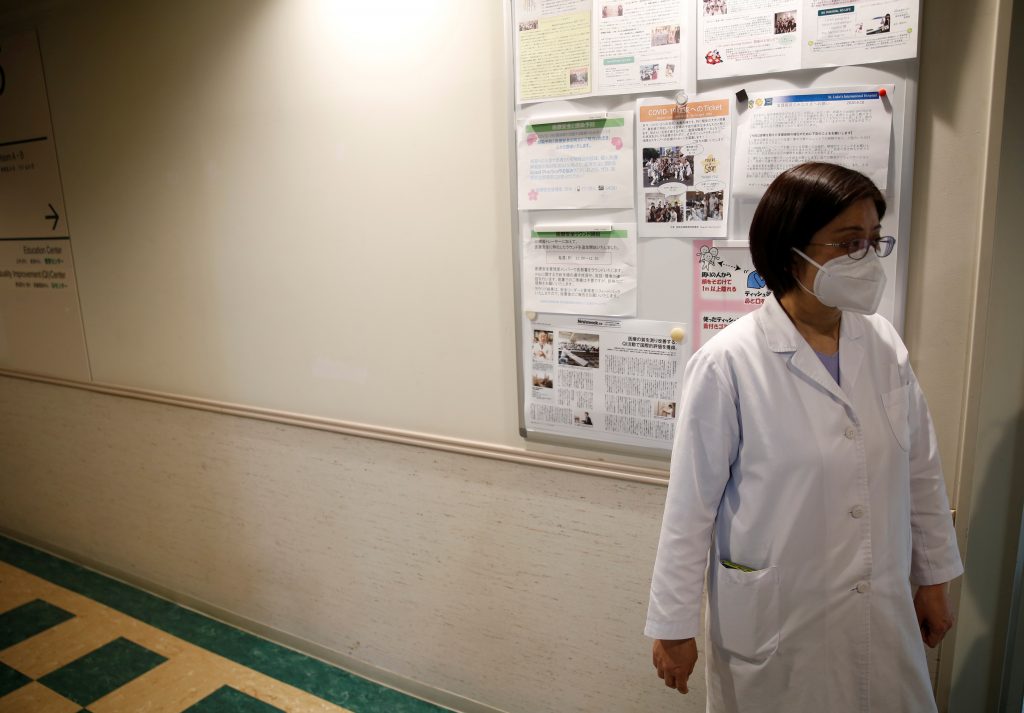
604 379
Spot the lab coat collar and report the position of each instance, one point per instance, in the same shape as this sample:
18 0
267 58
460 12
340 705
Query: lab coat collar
781 336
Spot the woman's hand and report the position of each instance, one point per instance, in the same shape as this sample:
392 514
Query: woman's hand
675 661
934 613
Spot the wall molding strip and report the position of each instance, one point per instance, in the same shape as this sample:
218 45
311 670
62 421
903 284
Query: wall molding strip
585 466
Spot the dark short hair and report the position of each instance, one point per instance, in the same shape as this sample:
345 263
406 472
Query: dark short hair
799 202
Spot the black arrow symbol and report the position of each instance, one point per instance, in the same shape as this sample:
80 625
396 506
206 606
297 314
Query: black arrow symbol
54 216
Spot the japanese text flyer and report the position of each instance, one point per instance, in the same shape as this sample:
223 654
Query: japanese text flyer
726 287
850 127
553 48
742 37
841 33
584 163
604 379
683 168
580 270
572 48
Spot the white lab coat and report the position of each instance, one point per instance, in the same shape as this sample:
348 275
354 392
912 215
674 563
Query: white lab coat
834 495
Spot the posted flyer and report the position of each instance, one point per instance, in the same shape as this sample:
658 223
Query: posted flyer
683 168
580 269
726 286
745 37
848 126
575 163
576 48
603 379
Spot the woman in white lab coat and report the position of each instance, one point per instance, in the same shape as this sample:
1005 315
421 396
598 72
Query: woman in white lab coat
815 485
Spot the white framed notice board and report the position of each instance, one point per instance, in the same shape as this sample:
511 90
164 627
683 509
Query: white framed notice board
634 181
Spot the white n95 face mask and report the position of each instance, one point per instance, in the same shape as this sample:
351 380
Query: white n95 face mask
848 284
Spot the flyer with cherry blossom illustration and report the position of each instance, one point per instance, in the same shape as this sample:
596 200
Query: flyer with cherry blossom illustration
583 162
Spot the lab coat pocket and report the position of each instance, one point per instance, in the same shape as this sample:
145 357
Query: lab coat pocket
744 612
897 408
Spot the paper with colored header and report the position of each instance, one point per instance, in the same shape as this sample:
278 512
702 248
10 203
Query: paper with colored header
683 163
585 162
777 130
580 269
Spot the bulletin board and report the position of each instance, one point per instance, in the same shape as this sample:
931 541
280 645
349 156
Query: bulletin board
666 268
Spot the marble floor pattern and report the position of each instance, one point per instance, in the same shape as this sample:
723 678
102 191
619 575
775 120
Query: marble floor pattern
72 640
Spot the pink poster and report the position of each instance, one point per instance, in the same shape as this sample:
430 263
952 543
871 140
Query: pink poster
725 287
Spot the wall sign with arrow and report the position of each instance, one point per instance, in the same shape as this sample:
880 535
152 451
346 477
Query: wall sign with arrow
39 306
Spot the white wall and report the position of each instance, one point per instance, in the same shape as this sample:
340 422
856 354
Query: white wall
295 204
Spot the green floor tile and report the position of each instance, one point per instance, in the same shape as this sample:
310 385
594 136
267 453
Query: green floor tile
229 700
29 619
96 674
11 680
307 674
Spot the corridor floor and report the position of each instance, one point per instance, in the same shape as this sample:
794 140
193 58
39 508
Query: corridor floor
73 640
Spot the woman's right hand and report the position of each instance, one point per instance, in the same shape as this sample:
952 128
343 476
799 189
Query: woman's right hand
674 660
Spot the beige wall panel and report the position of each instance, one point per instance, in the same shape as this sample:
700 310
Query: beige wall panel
520 587
954 108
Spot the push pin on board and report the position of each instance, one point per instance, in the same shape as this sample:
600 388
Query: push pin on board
741 96
678 334
531 316
682 98
882 93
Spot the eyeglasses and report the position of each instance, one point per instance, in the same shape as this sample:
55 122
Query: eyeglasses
858 248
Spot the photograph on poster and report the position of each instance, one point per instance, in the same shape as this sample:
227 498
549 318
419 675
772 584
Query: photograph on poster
785 22
667 164
667 35
543 345
582 418
579 349
715 7
543 378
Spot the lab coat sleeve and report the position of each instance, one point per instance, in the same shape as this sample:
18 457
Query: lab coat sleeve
935 558
706 441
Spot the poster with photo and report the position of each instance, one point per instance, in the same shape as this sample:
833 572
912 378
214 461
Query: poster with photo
683 164
553 48
584 162
580 269
726 286
778 130
575 48
841 33
611 380
744 37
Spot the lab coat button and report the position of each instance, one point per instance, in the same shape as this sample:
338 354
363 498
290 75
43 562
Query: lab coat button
851 433
863 587
857 511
